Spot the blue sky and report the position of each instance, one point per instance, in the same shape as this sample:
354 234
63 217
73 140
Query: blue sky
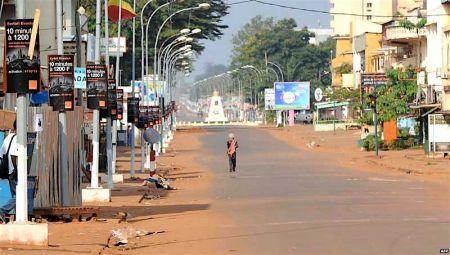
219 51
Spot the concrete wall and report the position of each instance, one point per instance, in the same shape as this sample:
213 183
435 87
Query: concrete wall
351 25
330 127
343 55
373 44
437 63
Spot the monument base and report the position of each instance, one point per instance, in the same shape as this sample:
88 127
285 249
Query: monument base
27 233
101 195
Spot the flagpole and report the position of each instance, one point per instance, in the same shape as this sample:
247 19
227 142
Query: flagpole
133 78
114 128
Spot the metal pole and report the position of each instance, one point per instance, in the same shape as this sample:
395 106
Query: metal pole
334 117
76 4
376 128
108 118
22 103
114 124
96 114
62 115
133 79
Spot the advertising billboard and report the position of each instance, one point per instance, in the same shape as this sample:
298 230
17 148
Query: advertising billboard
292 95
22 71
97 85
60 82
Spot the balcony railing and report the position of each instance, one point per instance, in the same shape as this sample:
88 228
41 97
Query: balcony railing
401 33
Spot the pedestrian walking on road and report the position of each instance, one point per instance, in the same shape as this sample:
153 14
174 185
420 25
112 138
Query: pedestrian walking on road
232 146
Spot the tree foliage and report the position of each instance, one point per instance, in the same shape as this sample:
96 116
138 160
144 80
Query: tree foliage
394 98
209 21
285 45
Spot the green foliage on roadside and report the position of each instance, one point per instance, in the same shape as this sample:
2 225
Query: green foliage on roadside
400 143
394 98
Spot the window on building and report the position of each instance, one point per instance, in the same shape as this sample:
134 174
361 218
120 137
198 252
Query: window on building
369 17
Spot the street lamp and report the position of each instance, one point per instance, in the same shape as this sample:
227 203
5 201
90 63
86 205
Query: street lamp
279 68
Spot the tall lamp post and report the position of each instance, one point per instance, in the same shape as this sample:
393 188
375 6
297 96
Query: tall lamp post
202 6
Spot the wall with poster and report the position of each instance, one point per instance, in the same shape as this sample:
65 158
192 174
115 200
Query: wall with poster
292 95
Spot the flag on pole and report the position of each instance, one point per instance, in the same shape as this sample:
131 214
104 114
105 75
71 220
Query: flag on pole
113 10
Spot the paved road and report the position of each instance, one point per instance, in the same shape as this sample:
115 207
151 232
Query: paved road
287 201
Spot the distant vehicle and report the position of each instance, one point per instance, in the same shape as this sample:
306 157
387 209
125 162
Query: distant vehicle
305 118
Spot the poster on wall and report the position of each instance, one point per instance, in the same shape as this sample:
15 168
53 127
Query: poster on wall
97 85
60 82
22 71
119 94
292 95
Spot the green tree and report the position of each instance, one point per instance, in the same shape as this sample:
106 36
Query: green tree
394 98
287 46
209 21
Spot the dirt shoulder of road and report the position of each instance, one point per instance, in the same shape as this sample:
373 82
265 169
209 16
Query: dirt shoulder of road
341 147
179 214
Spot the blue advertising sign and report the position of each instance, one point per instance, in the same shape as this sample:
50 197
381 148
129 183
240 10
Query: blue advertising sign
292 95
80 77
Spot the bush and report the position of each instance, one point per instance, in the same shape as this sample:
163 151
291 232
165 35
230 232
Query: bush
369 143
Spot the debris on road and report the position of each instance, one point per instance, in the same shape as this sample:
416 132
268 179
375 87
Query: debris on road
122 236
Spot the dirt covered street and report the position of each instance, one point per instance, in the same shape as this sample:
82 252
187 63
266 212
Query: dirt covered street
294 192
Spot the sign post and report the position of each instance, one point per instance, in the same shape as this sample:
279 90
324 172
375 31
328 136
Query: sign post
96 77
22 77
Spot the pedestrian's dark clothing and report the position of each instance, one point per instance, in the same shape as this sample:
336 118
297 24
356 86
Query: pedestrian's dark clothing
232 146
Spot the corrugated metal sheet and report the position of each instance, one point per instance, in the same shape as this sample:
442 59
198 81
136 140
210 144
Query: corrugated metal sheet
45 161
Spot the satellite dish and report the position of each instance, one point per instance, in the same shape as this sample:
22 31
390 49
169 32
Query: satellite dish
318 94
151 135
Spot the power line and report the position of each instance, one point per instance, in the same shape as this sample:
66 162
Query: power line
335 13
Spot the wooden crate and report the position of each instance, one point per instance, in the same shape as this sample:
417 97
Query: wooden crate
7 119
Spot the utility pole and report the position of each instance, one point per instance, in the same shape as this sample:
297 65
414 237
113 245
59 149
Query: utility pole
22 160
133 79
114 127
96 115
62 115
108 118
76 4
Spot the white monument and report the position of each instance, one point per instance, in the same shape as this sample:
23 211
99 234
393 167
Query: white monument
216 109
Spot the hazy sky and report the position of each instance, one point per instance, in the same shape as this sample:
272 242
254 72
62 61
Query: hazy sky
219 51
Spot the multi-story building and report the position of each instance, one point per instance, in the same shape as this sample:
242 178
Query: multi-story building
438 66
362 30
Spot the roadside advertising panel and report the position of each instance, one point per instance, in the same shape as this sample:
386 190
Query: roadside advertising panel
132 110
269 99
439 133
369 81
60 82
112 99
119 93
97 85
22 70
292 95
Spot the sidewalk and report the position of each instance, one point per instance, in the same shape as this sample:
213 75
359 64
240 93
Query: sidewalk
341 147
174 214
